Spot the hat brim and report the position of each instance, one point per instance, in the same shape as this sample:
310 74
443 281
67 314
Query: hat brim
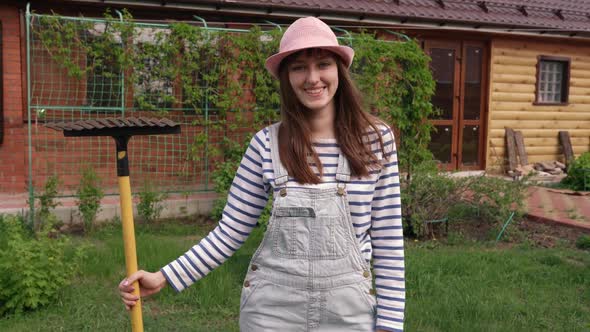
274 61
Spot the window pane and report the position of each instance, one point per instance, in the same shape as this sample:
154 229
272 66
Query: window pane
551 81
443 71
472 101
440 144
470 145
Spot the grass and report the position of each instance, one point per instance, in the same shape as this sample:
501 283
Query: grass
462 287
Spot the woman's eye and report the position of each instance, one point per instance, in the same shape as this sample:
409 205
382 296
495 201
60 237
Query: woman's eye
325 64
296 68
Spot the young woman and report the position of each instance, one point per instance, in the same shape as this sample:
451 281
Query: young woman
332 169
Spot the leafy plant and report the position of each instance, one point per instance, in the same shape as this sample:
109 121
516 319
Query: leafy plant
431 195
397 84
47 203
89 195
33 266
150 205
428 196
220 75
496 198
583 242
578 173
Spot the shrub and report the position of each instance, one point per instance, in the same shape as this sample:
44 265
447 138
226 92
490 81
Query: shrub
428 196
150 205
578 173
47 203
33 266
496 198
583 242
89 196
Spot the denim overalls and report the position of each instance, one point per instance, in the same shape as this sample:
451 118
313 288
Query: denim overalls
308 273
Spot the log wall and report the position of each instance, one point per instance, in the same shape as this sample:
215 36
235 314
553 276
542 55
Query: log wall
512 93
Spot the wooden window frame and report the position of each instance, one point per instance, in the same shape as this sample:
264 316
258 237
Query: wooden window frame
565 86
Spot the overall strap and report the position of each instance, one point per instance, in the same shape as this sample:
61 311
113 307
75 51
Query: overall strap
343 170
280 172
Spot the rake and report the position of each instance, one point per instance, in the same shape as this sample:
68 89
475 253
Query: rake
122 129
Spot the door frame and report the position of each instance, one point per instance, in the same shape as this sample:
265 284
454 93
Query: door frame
457 121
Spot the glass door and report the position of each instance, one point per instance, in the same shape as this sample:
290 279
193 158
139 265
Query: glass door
459 71
472 105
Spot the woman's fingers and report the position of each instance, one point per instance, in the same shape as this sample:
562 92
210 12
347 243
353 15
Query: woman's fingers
129 296
133 278
129 303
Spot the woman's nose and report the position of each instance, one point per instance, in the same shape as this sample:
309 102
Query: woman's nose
313 75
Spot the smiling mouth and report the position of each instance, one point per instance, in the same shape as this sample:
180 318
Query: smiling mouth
315 91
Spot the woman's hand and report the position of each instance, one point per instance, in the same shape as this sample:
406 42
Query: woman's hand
149 283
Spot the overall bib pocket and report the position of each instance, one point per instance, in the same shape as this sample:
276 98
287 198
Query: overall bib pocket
299 233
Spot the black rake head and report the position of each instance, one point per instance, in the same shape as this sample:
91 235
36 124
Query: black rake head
130 126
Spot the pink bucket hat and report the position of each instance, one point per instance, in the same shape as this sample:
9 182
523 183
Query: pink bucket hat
307 32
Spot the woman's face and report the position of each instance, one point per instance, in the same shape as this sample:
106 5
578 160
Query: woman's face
314 79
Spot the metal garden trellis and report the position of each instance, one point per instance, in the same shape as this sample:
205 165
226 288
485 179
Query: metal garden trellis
54 97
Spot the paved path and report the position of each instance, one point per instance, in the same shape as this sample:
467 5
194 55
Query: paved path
559 206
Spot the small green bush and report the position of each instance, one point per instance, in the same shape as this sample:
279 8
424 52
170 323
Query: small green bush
47 203
33 266
427 196
431 195
496 198
583 242
150 205
89 196
578 173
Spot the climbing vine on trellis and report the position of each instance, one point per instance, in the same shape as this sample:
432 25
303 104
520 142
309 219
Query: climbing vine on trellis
187 67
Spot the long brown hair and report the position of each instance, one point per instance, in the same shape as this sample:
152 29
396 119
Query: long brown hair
352 127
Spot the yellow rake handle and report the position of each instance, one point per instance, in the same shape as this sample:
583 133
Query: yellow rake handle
130 251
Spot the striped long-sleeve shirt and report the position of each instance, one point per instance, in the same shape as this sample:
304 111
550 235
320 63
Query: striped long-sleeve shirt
375 207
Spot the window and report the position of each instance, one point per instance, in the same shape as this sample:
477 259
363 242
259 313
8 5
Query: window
553 75
154 88
103 85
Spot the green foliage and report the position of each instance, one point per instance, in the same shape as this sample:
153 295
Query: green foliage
430 195
33 267
67 40
578 173
150 205
47 197
221 75
397 85
47 203
583 242
89 195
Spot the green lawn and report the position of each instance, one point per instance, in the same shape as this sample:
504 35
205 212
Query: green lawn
467 287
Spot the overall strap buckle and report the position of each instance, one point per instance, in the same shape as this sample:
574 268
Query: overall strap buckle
341 189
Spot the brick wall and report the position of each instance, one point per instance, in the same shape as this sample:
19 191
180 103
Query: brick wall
13 150
165 162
